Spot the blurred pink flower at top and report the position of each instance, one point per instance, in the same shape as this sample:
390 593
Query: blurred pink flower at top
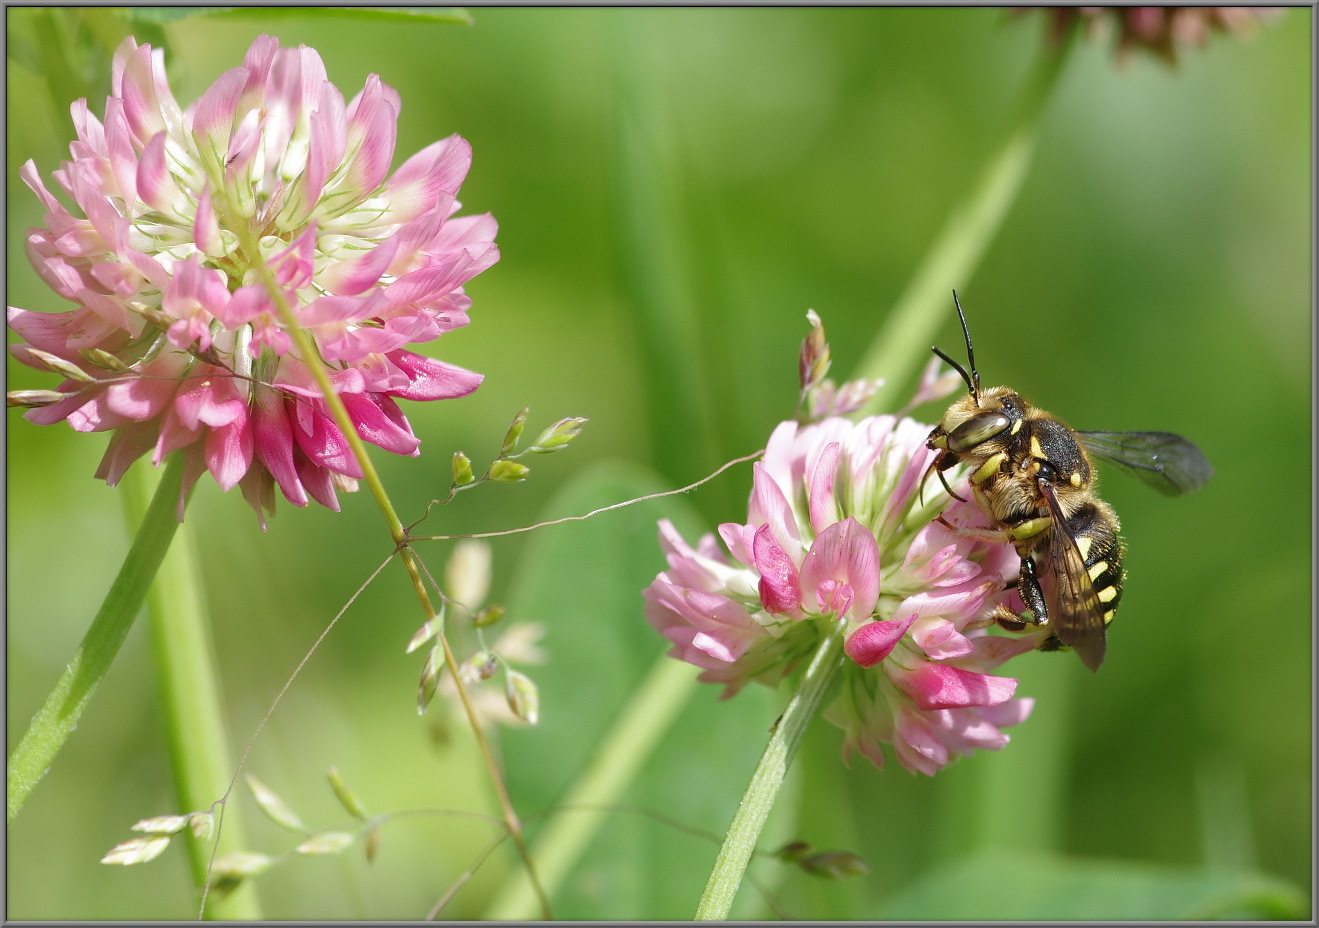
1162 31
837 533
202 227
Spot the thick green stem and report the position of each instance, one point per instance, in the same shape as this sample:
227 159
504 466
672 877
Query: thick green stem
900 345
740 842
57 718
189 699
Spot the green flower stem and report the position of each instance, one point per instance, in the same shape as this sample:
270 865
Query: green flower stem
740 842
900 345
641 724
57 718
308 351
188 688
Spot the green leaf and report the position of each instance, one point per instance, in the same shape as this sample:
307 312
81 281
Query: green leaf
59 716
1011 888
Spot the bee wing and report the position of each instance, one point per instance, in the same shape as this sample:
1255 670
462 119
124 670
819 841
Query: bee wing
1079 619
1167 462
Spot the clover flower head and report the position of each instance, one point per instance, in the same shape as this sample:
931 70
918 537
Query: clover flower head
836 532
218 245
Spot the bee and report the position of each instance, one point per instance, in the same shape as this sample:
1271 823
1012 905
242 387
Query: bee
1033 477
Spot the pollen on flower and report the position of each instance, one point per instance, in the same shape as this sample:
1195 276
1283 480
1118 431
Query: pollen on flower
837 532
204 230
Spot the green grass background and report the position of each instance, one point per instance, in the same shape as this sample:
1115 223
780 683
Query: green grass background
675 187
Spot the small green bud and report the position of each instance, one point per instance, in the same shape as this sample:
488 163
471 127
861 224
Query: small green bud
558 435
792 852
136 850
161 824
327 842
462 469
430 629
372 844
60 366
514 433
467 572
523 697
504 471
230 868
150 314
347 798
813 361
488 616
480 666
276 809
35 397
834 865
430 679
202 825
104 360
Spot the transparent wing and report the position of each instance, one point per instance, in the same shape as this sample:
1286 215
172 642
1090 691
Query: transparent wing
1167 462
1079 617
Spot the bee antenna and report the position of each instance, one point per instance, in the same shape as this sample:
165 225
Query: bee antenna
974 380
961 370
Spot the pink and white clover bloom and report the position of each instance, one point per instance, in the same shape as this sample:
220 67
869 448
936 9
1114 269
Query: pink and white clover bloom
202 229
836 533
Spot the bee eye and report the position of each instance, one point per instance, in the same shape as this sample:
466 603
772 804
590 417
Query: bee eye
978 429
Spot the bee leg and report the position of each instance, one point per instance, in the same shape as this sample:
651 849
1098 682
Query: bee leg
1052 643
1031 594
993 535
1028 586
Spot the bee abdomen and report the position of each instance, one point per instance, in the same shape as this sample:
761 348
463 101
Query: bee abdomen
1095 527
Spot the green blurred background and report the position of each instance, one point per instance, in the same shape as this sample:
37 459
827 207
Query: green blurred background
675 188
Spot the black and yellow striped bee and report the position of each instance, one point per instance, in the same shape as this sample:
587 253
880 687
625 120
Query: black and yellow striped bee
1033 477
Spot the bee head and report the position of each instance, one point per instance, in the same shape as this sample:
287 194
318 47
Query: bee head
978 417
979 424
